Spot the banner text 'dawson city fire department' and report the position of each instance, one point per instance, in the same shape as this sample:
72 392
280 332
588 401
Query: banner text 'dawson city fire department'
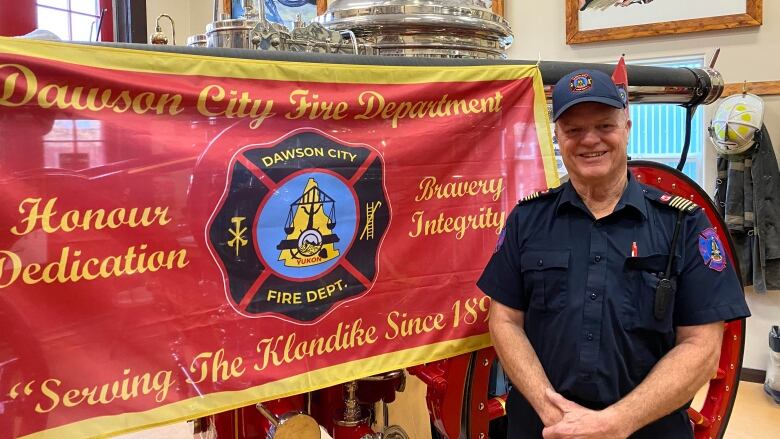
186 234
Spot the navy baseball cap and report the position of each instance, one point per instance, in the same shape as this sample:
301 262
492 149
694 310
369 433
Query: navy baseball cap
584 86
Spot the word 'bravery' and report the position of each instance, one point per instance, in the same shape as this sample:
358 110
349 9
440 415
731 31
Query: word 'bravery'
42 215
426 224
20 87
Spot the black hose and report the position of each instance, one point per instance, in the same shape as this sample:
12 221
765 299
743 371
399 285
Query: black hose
689 112
100 23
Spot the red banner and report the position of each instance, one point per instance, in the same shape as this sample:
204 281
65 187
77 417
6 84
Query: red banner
184 234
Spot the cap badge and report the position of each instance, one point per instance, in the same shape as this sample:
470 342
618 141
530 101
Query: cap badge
623 94
581 82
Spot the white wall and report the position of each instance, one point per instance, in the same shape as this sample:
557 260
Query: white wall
746 54
539 27
190 17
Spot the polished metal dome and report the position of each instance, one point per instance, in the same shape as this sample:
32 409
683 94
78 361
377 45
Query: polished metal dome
427 28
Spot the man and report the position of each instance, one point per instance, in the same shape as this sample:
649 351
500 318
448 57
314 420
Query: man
605 322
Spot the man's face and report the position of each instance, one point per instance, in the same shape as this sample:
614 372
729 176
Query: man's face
593 138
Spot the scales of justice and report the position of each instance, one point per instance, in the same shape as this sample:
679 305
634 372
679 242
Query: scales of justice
310 238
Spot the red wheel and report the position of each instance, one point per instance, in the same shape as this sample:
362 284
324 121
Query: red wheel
710 420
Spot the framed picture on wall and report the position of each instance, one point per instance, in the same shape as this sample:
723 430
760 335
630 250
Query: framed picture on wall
604 20
284 11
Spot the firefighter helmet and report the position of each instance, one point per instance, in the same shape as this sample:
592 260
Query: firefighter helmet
736 121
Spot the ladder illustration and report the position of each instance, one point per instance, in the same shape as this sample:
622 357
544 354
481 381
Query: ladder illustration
368 230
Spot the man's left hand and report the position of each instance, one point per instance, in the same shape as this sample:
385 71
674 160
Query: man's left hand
581 423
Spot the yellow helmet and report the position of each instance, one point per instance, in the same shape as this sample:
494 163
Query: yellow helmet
736 121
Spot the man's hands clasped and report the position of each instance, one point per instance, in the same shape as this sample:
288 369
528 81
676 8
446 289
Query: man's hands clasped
579 422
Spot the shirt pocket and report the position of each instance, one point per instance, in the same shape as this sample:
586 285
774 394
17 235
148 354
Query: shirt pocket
545 278
642 279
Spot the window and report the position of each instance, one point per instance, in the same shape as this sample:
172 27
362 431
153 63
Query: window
75 20
659 129
74 145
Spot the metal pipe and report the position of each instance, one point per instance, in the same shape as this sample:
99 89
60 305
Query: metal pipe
657 85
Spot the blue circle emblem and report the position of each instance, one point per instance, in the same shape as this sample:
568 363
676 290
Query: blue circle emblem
307 225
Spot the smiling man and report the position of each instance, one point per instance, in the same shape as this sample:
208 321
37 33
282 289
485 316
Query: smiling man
609 296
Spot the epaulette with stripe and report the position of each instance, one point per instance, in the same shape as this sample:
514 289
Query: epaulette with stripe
679 203
537 195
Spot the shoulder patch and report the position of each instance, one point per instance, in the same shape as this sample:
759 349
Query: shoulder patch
677 202
711 250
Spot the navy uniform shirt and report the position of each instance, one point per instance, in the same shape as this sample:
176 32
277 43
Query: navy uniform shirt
588 303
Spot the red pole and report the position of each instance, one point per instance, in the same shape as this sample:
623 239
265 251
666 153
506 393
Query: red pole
17 17
107 30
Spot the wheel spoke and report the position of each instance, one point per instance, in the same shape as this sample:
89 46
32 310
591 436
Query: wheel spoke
699 421
497 407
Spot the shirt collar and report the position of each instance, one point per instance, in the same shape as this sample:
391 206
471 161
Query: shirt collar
633 198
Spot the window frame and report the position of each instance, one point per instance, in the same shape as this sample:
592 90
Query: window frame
69 138
697 153
107 27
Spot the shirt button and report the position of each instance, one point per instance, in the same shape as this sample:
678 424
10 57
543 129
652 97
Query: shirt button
540 262
589 336
593 296
598 258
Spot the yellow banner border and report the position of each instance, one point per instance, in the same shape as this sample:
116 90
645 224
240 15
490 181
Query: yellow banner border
543 133
196 407
144 61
